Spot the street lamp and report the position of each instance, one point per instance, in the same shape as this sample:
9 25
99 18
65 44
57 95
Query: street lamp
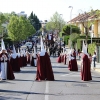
70 24
60 28
61 22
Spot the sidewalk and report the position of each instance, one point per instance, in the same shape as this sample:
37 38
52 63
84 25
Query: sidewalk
97 68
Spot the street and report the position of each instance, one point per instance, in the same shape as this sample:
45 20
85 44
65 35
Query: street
67 85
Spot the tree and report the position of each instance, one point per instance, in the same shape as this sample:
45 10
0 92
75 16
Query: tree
56 22
2 20
34 21
19 28
74 37
75 29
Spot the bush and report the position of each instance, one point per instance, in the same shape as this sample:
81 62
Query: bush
74 37
66 38
79 44
75 29
83 36
91 48
61 34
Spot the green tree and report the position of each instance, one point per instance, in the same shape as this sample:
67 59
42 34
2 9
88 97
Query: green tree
56 22
19 28
2 20
34 20
75 29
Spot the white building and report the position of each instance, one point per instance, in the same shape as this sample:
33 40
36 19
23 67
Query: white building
22 13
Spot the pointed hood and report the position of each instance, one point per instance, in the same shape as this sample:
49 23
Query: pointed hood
2 45
18 50
48 51
18 53
14 54
84 48
70 52
42 53
14 51
34 52
42 46
24 53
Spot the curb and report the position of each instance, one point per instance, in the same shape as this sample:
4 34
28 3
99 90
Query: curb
96 69
92 68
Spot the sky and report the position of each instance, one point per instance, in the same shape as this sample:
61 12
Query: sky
44 9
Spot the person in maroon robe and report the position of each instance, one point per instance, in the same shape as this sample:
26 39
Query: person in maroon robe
62 58
85 65
59 60
72 62
28 57
19 60
14 61
65 57
9 73
85 69
44 68
14 64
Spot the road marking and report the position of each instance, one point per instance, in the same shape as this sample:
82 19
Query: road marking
47 91
71 75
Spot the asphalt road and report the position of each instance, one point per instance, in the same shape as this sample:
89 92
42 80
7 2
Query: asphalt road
67 85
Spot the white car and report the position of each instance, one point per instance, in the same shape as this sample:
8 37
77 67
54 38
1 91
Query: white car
27 44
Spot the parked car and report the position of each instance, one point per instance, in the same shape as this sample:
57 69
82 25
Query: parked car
27 45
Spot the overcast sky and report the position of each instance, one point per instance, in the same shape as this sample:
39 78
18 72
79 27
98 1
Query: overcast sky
44 9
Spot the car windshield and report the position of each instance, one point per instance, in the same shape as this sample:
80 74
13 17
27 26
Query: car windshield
28 43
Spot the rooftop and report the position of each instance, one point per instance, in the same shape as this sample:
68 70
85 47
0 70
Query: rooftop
86 16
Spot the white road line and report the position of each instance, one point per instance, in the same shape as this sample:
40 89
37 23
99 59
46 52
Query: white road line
47 91
71 75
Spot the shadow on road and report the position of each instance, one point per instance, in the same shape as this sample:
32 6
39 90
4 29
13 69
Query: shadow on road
9 98
5 82
60 67
22 80
72 81
34 72
55 72
21 92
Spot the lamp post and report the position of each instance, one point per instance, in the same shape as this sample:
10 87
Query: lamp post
61 22
70 24
60 28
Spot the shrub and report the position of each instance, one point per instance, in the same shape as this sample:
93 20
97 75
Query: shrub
75 29
79 44
91 48
66 38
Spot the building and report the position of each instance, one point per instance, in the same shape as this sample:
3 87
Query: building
91 20
22 13
43 24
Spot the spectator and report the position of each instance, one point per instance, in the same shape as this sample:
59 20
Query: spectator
90 58
94 59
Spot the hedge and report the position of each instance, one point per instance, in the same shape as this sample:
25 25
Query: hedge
94 40
66 38
91 48
79 44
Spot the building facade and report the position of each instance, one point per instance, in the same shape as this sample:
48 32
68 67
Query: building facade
91 21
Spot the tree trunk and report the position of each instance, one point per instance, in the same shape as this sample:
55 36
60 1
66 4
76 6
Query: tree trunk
86 35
